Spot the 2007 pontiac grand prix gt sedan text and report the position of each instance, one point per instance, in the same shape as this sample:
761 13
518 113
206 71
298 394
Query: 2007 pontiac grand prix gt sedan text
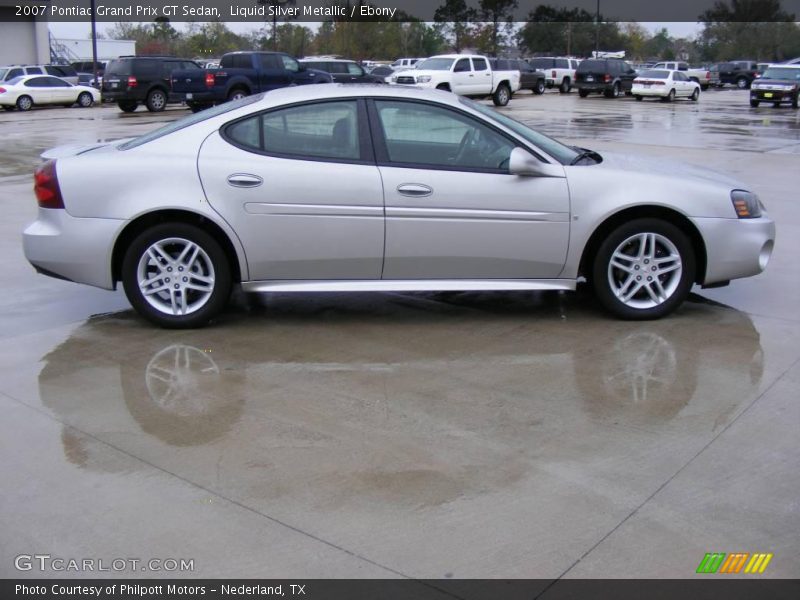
351 188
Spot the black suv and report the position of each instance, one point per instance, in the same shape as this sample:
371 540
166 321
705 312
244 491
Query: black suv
739 73
608 76
131 80
529 78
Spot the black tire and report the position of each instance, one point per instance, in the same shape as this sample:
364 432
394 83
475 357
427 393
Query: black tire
127 107
704 87
156 100
237 94
24 103
695 95
669 97
613 92
583 93
754 103
196 108
742 83
565 87
678 285
85 100
795 100
213 302
638 98
501 95
539 88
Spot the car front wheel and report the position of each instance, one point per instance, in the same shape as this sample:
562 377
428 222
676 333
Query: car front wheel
176 275
644 269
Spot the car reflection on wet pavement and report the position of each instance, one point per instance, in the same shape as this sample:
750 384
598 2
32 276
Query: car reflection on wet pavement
417 435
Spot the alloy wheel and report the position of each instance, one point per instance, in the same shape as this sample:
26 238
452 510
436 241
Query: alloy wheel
645 270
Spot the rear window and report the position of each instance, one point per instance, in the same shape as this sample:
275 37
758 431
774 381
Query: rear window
119 67
654 74
541 63
562 63
592 66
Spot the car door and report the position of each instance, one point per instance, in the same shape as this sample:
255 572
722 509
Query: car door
462 77
681 83
482 80
39 89
627 75
452 209
61 92
300 187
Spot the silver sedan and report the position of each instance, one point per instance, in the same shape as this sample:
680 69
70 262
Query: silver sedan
364 188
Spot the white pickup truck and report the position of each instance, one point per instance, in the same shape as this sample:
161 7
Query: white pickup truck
701 76
463 74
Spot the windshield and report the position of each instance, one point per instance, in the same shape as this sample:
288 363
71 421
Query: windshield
653 74
782 73
191 120
436 64
563 154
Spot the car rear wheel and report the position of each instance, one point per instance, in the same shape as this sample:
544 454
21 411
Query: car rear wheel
24 103
613 92
669 97
565 86
85 100
501 95
644 269
237 94
156 101
638 98
127 107
176 275
539 88
741 83
695 95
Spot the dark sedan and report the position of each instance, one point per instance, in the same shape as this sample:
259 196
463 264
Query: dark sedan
529 78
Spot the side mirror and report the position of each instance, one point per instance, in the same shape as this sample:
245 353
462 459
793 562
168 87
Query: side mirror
523 163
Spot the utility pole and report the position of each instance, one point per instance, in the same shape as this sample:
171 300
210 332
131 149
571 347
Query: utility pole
94 47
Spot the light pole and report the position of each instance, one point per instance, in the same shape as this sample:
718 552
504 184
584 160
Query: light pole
95 70
597 30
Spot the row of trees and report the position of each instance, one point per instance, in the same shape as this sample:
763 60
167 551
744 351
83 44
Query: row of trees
488 29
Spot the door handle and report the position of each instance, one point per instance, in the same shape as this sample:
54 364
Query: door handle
244 180
415 190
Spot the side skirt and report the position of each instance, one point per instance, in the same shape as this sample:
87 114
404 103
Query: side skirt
410 285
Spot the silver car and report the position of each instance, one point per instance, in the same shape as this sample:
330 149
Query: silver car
369 188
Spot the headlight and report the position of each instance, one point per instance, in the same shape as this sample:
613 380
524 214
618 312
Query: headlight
746 204
394 78
424 79
787 88
757 86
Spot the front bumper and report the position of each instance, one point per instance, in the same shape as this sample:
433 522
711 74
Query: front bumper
77 249
772 95
736 248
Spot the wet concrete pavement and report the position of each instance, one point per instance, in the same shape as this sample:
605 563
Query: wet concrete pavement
412 435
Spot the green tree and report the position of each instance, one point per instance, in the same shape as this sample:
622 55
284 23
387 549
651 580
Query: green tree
499 15
454 19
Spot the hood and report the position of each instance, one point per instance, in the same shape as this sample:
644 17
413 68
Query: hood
76 149
675 170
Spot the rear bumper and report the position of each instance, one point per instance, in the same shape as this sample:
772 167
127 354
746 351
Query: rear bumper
650 92
204 97
72 248
594 86
736 248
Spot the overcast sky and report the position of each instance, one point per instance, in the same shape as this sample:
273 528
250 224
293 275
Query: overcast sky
81 30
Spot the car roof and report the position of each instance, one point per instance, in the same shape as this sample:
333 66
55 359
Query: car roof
301 93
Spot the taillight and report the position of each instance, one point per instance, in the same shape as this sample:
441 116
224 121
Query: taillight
606 78
708 75
553 75
132 81
46 186
2 90
209 80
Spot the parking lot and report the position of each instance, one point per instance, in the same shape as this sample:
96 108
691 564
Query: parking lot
496 435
